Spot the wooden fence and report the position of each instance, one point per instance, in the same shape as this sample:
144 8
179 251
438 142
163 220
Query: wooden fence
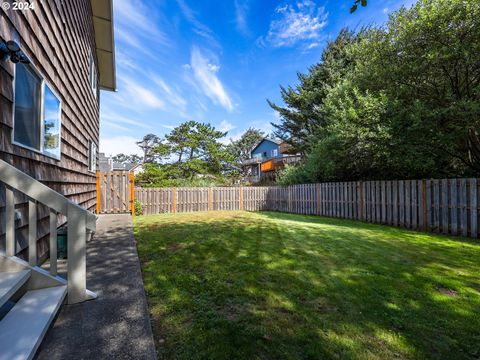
448 206
115 192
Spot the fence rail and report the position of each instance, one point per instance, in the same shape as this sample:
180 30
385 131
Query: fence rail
449 206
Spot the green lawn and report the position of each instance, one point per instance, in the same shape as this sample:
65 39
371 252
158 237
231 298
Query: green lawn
239 285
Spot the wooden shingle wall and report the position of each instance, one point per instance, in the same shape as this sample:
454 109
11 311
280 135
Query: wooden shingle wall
58 37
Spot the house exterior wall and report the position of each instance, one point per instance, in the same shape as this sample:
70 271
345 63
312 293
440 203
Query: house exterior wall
264 149
58 38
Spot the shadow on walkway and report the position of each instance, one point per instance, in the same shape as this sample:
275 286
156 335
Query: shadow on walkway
116 325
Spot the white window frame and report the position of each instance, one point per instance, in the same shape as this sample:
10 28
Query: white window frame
93 75
92 156
42 114
274 152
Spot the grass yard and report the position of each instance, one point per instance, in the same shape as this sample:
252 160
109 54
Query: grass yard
239 285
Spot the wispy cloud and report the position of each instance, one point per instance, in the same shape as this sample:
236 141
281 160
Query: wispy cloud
198 27
134 17
135 92
172 96
241 9
301 22
226 126
208 81
113 117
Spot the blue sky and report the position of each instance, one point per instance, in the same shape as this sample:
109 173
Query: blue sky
215 61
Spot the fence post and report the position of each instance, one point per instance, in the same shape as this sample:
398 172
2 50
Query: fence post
361 200
290 198
99 195
132 193
210 199
174 200
319 199
424 204
241 198
473 209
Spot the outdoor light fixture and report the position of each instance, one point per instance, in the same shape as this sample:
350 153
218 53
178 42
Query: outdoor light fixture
11 49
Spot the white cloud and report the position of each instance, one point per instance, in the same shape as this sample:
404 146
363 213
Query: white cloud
208 81
134 18
137 93
302 22
214 67
226 126
112 117
171 95
198 27
241 9
119 145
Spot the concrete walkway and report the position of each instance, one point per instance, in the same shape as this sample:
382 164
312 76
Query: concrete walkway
117 324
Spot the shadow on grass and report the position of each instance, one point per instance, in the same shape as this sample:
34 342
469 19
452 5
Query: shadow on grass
270 285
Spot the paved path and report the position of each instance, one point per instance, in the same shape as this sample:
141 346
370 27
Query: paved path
116 325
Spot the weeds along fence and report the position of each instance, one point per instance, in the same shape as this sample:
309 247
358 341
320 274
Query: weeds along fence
448 206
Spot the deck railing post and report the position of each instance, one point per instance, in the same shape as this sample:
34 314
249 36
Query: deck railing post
77 269
9 221
53 242
32 232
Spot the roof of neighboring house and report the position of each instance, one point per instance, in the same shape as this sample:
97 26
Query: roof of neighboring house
103 25
125 166
273 140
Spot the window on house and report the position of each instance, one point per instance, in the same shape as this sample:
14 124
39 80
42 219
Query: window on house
27 113
51 124
37 113
93 75
92 156
274 152
265 154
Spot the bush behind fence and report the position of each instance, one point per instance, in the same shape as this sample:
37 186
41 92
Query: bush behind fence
448 206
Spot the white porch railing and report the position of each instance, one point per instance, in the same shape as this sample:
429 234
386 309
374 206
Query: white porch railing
81 224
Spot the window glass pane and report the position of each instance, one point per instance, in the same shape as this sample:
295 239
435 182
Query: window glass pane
92 156
93 76
51 138
27 127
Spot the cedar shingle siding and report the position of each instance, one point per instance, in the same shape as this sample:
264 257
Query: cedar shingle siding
58 37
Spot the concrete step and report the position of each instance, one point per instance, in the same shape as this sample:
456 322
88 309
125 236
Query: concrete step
10 282
23 328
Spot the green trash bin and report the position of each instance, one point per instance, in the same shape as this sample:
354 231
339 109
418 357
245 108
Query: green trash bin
62 243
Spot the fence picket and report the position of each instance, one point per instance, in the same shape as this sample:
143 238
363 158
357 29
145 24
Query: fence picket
447 206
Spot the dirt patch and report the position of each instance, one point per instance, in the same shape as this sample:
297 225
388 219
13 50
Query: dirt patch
321 305
174 247
446 291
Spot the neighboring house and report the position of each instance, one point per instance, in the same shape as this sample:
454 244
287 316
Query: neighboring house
55 56
268 156
106 164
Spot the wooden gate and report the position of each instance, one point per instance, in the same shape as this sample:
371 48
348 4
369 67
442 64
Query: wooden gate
115 192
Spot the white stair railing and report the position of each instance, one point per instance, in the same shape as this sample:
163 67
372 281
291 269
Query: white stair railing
81 223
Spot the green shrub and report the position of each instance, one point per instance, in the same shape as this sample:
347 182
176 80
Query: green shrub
138 207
